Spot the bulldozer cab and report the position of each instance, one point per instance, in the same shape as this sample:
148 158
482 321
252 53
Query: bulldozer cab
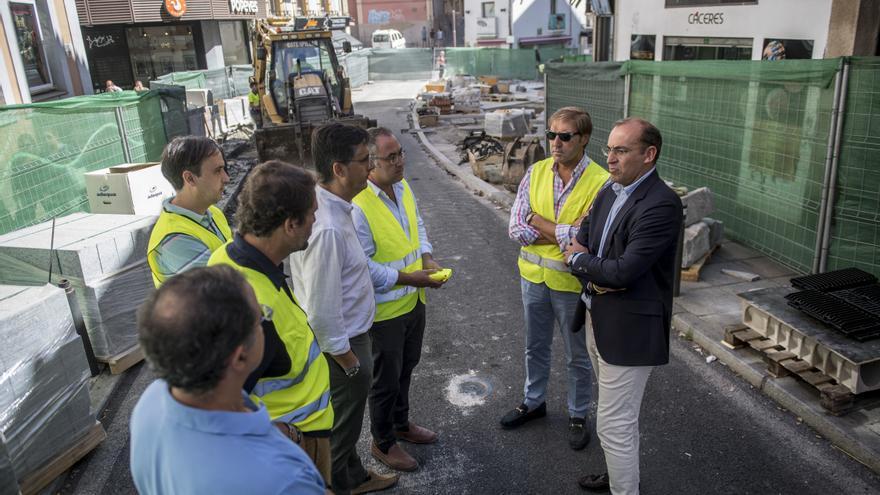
291 62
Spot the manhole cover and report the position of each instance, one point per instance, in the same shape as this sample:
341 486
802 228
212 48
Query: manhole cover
467 390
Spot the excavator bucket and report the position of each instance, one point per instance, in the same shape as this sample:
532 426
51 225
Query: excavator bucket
292 142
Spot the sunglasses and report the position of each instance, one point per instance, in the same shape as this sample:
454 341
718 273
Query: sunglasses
564 136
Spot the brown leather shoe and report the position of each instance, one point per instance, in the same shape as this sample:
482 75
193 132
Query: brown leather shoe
375 482
416 434
396 458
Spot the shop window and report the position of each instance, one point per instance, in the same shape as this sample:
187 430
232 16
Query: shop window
488 9
688 48
781 49
235 43
642 47
30 46
159 50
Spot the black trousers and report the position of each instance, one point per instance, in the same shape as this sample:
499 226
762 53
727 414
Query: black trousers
397 348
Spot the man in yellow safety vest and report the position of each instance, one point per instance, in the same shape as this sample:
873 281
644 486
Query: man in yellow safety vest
393 236
190 227
276 210
553 198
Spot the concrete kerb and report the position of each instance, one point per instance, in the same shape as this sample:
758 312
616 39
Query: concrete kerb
787 392
470 181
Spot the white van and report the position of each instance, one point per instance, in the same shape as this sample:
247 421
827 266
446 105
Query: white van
388 38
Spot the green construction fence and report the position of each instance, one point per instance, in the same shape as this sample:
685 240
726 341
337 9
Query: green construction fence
761 136
45 148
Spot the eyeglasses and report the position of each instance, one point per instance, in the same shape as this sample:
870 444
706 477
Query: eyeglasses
564 136
617 150
266 315
393 157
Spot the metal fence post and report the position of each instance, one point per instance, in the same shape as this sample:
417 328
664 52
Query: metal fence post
832 185
123 135
627 81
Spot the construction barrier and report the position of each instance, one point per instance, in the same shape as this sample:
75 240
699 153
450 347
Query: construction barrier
45 148
762 136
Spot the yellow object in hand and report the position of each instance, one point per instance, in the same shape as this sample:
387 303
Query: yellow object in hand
441 275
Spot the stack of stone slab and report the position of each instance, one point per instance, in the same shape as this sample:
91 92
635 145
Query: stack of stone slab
506 124
701 234
103 257
44 395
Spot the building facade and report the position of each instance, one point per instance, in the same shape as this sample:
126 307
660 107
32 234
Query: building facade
742 29
130 40
525 23
41 51
406 17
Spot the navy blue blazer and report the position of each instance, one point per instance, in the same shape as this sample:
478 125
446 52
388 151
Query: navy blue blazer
632 325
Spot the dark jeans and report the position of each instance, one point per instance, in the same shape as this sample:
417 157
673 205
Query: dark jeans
349 399
397 348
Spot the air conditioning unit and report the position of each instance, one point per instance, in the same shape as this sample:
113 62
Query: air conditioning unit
487 27
556 22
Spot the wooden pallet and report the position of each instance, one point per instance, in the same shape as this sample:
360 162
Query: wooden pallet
692 273
835 398
124 360
34 482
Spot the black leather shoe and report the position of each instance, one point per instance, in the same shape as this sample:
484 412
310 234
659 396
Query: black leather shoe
578 433
595 482
522 415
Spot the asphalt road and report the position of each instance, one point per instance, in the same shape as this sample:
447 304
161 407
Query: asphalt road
704 430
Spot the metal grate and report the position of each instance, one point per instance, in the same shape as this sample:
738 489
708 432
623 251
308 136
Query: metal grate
844 317
866 298
835 280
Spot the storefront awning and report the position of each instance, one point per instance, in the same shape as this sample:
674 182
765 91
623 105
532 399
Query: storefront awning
544 40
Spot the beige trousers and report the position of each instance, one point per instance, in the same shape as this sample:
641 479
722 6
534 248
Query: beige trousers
621 389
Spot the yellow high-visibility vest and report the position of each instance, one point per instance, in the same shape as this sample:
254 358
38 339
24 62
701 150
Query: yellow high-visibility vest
172 223
394 249
545 263
302 395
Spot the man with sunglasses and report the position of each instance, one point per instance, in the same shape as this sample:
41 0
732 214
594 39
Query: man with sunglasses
553 198
392 233
625 257
276 211
333 277
190 226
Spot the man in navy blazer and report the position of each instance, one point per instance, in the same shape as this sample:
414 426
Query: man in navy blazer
625 258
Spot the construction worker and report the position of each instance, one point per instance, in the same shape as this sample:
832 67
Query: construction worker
190 226
276 210
553 198
393 236
254 105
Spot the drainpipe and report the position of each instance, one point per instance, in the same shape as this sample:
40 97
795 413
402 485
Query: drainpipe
832 185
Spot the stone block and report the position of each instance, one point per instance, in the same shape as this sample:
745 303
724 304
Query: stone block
696 244
699 203
716 231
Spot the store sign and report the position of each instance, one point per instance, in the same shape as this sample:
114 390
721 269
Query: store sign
243 6
706 18
176 8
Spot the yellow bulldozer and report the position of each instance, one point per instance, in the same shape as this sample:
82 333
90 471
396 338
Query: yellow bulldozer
300 83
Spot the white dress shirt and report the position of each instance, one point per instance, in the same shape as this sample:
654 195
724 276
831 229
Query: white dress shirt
332 277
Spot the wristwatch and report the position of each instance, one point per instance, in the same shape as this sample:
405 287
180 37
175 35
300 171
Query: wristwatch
350 372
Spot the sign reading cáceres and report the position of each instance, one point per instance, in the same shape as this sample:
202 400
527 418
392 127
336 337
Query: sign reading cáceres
706 18
243 6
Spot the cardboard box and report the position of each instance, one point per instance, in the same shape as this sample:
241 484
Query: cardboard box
128 189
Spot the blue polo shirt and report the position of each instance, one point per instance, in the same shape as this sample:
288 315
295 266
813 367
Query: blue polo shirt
177 449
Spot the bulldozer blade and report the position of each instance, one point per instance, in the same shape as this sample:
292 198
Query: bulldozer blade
285 143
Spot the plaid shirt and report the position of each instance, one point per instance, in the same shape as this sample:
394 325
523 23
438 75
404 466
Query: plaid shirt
519 230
